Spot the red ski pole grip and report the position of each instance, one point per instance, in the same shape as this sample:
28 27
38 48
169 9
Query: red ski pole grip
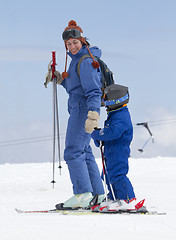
53 63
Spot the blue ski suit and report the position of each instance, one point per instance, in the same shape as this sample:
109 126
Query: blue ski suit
84 95
117 135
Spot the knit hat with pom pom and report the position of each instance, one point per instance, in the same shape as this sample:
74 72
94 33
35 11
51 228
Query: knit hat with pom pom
74 31
72 25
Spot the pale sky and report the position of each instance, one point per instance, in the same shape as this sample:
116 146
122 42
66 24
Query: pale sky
137 39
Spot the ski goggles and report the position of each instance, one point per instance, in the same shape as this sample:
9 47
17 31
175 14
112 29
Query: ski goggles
71 33
116 101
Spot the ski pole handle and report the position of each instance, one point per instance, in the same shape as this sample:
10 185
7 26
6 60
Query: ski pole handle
53 63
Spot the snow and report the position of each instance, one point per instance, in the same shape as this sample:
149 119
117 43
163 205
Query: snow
28 186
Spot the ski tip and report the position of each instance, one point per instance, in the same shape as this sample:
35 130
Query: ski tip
18 211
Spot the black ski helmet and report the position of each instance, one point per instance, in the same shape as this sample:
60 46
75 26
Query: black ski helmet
115 96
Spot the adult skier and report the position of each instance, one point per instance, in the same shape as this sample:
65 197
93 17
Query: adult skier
84 108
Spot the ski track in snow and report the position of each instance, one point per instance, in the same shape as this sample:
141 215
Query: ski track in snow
28 186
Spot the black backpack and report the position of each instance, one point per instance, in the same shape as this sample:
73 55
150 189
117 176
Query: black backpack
107 75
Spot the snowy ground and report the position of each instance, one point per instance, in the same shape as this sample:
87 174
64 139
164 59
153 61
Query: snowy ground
27 186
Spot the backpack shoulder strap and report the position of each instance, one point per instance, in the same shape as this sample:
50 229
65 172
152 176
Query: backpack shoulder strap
80 61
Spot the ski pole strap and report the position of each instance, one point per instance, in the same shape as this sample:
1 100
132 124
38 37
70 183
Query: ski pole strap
53 63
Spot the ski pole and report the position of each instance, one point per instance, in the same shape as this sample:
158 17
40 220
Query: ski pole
112 191
56 109
56 105
54 114
58 132
106 174
55 117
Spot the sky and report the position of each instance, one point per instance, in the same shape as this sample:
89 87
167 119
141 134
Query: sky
137 39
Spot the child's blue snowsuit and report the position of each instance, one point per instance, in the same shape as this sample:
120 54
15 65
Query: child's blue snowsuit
117 135
84 95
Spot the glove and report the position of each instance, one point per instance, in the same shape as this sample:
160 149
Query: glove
92 121
49 76
93 136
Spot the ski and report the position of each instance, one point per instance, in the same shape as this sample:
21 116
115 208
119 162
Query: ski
60 212
135 213
35 211
87 212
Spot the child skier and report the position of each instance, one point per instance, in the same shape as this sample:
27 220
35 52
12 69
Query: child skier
117 135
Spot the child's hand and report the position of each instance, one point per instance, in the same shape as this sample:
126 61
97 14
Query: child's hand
97 143
93 135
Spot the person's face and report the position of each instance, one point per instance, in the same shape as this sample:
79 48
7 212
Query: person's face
73 45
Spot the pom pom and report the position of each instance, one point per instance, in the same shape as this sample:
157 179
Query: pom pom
72 23
95 64
64 75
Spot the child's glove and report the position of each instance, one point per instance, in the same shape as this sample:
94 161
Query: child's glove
96 142
92 121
